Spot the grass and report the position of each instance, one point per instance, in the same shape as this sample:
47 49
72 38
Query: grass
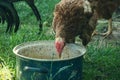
101 61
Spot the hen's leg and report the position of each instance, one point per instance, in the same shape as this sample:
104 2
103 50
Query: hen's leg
36 12
109 31
94 33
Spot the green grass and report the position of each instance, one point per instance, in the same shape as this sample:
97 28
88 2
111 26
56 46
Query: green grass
101 61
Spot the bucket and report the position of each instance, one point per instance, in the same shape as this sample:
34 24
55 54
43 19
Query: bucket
38 60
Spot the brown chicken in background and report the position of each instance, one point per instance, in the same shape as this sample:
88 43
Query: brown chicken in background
73 18
105 9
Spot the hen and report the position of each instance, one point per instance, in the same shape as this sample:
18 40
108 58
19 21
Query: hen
72 18
105 9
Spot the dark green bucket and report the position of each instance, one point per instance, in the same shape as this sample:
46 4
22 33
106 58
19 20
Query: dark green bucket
38 61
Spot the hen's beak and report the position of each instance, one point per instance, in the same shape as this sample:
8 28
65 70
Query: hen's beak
59 44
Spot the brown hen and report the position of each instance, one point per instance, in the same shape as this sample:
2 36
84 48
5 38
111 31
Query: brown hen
73 18
105 9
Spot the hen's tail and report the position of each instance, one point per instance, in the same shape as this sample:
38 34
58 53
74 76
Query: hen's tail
9 14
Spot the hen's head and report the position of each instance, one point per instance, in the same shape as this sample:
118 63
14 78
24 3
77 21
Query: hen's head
59 44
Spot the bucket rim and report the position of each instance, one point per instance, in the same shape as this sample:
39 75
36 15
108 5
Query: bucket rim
15 51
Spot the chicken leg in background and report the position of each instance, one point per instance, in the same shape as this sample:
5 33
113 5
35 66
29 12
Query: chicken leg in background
105 9
36 12
73 18
5 16
2 16
9 14
109 30
34 9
